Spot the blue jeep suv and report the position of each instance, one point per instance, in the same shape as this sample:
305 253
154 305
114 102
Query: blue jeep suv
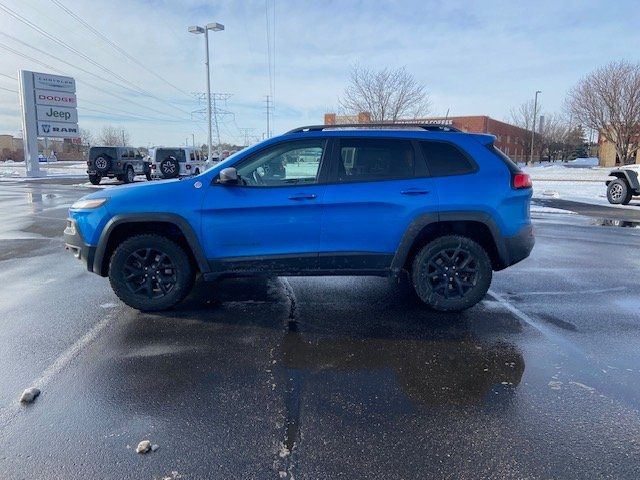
445 207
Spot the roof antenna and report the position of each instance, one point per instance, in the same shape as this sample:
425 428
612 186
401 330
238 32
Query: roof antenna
446 117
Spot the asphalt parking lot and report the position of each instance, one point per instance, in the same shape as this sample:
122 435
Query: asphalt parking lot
314 378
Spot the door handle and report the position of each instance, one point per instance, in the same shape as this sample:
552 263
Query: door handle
414 191
302 196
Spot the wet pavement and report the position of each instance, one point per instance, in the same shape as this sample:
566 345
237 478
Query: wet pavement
314 378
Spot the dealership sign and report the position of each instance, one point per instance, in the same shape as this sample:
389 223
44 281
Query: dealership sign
58 129
57 114
46 81
56 99
49 109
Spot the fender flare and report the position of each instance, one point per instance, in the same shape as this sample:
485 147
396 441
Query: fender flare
180 222
416 226
631 176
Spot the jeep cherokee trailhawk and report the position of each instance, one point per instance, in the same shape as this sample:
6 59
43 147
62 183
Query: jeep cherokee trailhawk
445 207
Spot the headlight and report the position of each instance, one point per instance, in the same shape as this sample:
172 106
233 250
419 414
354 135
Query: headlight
88 204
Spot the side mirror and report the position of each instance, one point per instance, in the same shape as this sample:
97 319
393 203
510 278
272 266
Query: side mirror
228 176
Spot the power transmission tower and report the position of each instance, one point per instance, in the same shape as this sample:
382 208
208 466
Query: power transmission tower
216 111
245 133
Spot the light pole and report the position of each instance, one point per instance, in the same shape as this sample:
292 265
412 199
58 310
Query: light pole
216 27
533 128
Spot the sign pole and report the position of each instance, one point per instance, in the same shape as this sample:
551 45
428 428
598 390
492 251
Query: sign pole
29 125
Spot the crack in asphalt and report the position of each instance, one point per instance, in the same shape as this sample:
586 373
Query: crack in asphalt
292 394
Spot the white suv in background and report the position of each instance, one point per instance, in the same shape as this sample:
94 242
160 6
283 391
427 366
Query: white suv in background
174 162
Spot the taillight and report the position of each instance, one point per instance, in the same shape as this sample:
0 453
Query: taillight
521 180
153 167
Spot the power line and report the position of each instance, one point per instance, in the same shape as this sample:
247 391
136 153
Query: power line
15 52
9 90
62 43
115 45
88 72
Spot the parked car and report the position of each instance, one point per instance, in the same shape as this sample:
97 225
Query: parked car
444 207
174 162
123 163
624 186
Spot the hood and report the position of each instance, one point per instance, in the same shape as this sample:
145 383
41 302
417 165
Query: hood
131 189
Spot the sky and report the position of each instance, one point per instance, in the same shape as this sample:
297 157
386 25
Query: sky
475 58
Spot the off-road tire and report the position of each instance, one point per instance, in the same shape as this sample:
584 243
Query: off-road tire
430 270
129 175
618 192
120 267
95 179
169 167
102 163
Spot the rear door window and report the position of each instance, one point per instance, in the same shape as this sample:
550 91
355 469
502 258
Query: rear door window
444 159
369 159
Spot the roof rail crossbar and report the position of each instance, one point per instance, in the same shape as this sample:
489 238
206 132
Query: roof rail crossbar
431 127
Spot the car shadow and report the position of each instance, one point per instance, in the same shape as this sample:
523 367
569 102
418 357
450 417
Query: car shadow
225 333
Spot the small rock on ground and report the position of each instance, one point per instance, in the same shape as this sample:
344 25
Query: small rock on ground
144 446
29 395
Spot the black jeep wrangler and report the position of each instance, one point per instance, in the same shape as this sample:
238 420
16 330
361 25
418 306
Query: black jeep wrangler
123 163
625 185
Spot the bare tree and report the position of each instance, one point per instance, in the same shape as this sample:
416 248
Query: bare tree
522 115
86 137
608 100
388 95
111 136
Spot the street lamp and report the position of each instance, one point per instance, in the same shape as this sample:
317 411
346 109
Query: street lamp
216 27
533 128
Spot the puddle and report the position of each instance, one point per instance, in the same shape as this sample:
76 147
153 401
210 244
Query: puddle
611 222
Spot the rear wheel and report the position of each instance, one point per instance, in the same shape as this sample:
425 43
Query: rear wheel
150 272
148 175
95 179
618 192
129 175
451 273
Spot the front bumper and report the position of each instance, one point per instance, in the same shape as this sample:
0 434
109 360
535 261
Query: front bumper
519 246
75 243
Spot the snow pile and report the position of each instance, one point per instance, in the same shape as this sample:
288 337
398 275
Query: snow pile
580 169
584 162
12 170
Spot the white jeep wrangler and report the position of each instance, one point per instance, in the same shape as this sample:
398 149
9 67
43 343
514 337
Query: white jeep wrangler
625 185
174 162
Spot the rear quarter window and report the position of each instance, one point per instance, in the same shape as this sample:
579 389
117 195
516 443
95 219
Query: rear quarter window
445 159
511 165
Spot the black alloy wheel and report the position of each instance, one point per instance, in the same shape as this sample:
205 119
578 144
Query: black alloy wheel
451 273
149 272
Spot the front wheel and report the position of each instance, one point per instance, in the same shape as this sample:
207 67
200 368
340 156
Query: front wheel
451 273
150 272
618 192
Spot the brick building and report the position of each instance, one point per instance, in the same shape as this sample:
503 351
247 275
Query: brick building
512 140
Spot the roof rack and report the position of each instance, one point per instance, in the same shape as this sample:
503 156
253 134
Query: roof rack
432 127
